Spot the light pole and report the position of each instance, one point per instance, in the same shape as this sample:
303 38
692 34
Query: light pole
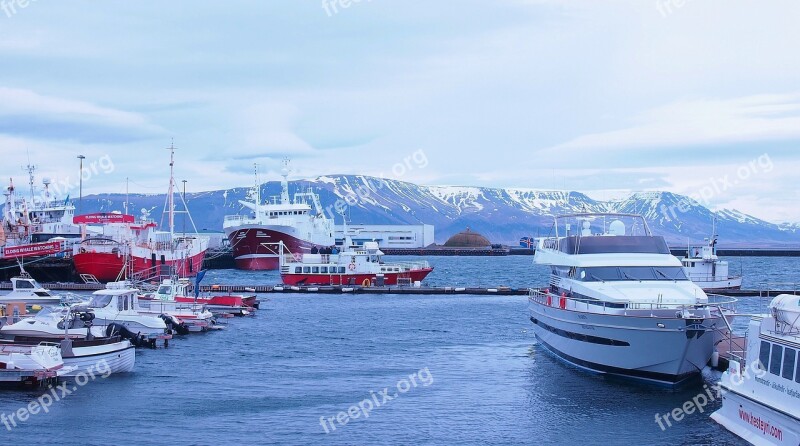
186 206
80 187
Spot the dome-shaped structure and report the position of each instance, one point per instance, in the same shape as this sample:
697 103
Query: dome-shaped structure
467 239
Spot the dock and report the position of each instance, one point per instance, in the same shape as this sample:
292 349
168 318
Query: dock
357 289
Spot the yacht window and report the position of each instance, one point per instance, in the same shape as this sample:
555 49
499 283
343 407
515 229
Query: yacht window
671 273
42 293
637 273
24 284
315 270
763 355
775 359
788 363
601 274
341 270
125 303
306 269
324 270
163 289
298 269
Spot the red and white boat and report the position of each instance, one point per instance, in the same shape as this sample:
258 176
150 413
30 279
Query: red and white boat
219 304
354 265
123 248
37 225
254 238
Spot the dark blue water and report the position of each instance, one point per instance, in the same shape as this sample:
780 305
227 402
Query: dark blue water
270 378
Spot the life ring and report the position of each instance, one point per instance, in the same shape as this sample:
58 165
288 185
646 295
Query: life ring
366 283
297 256
352 267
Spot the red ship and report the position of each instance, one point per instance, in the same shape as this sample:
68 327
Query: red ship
122 248
355 265
254 238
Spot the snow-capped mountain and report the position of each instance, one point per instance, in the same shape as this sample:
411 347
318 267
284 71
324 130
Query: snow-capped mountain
502 215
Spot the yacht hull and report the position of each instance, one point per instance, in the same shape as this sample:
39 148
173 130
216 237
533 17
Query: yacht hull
637 348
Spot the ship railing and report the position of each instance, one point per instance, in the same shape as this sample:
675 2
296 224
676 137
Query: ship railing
410 266
234 218
699 277
617 307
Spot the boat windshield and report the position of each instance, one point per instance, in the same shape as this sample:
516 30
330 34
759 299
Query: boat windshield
100 301
614 273
164 289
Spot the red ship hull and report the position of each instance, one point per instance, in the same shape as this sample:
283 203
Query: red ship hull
106 267
352 279
256 249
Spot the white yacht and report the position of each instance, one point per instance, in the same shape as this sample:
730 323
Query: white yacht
26 290
761 399
620 304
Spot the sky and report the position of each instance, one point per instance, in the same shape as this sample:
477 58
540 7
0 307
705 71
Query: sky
697 97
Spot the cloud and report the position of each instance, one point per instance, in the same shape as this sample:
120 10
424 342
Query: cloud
25 113
701 122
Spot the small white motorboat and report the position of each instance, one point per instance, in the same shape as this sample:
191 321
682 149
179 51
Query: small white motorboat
26 290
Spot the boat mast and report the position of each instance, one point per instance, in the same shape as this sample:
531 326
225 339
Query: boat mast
127 180
257 190
285 182
170 207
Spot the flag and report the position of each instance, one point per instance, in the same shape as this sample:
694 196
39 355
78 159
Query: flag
527 242
197 281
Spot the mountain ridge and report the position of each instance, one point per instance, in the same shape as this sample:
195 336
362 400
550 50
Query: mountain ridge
502 214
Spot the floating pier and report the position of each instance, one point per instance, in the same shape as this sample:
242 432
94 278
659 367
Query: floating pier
356 289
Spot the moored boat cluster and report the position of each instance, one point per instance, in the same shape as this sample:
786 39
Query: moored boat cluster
42 342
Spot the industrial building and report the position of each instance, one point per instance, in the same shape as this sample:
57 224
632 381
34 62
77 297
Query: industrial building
389 236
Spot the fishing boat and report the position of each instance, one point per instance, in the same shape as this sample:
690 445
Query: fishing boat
620 305
123 247
222 304
118 304
194 315
84 347
349 265
26 290
704 267
761 386
295 223
30 221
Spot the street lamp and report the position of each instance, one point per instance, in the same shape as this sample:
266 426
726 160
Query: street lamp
80 187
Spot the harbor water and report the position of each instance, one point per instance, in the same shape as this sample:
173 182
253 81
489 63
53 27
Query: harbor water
456 370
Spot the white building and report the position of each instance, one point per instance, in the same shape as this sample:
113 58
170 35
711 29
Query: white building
389 236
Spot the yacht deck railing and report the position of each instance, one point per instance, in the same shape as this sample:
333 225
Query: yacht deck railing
722 303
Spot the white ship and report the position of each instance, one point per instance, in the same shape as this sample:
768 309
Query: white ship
761 399
704 267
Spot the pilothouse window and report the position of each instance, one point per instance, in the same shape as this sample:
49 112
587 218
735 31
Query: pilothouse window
99 301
